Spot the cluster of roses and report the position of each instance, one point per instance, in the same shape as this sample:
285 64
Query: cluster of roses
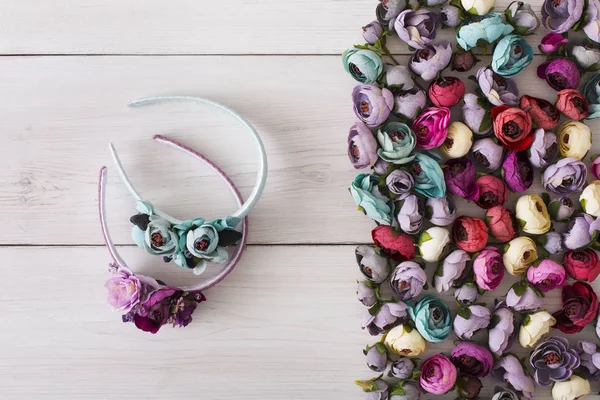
409 188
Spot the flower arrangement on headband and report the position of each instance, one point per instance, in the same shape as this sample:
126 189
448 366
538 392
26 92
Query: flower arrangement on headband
429 145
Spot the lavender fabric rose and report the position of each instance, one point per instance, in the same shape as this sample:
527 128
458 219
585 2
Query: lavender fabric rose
590 360
416 28
400 183
402 368
522 17
544 148
372 105
578 233
373 266
466 294
523 297
126 290
362 146
388 10
381 166
553 361
567 176
471 319
376 357
460 177
398 77
366 293
517 171
552 242
475 116
592 28
501 331
488 153
431 59
409 103
388 316
450 16
497 89
450 270
411 214
407 280
562 209
441 211
509 369
372 32
472 359
560 15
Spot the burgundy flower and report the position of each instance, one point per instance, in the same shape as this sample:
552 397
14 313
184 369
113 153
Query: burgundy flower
517 171
560 73
580 306
460 178
472 359
492 192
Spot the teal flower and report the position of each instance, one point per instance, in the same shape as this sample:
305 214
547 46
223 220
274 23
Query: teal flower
511 56
428 176
481 31
591 91
432 318
364 65
365 192
397 142
158 238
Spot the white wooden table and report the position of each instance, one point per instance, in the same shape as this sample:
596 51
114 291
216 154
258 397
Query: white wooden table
285 323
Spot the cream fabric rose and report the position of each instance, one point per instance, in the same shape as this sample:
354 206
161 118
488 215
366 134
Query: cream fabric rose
459 140
574 139
405 341
478 7
532 214
433 242
519 254
575 388
535 328
590 199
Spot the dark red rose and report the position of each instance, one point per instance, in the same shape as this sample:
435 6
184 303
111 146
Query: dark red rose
580 306
513 127
470 234
582 265
492 192
397 246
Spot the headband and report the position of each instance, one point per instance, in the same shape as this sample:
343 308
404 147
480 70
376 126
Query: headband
191 243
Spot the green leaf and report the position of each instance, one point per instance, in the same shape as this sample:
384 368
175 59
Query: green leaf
375 308
526 320
521 223
464 312
505 248
495 319
519 288
546 198
486 122
425 237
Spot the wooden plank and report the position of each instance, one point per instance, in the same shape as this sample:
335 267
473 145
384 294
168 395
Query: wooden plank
285 321
56 127
188 27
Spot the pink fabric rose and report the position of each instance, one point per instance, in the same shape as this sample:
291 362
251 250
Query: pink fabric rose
595 168
431 127
124 290
546 275
552 42
488 268
438 374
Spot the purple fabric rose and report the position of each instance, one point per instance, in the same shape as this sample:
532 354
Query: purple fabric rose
416 28
488 268
523 297
509 369
466 294
372 32
381 166
366 293
124 290
552 242
362 146
560 73
578 233
450 16
390 315
450 270
472 359
402 368
590 360
410 103
502 332
517 171
460 178
561 210
595 167
567 176
411 214
553 361
471 319
552 42
388 10
497 89
431 59
376 357
592 28
372 105
544 148
487 153
400 183
407 280
441 211
474 115
547 275
560 15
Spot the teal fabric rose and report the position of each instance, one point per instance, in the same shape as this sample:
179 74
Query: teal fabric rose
151 232
511 56
432 318
365 192
397 142
591 91
428 176
481 31
364 65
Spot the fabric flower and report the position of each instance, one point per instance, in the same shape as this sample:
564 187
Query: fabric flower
470 320
153 233
446 91
397 142
560 16
405 341
409 103
504 394
372 105
542 112
459 140
428 176
125 290
460 178
519 254
376 357
416 28
400 183
387 11
488 268
497 89
501 223
398 247
466 294
470 234
509 369
532 214
552 42
472 359
431 127
535 328
450 270
405 390
567 176
546 275
524 297
522 17
433 242
592 28
381 167
580 306
488 153
551 242
586 56
398 77
561 209
373 266
372 32
582 265
485 29
478 7
590 199
450 16
362 146
438 374
384 318
365 66
578 233
553 361
513 128
560 73
492 192
595 167
517 171
431 59
407 280
512 54
432 318
402 368
544 148
463 61
475 116
441 211
572 104
501 332
573 389
368 198
375 389
590 360
366 293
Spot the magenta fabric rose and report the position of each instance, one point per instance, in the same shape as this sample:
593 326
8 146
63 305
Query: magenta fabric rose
472 359
595 167
517 171
431 127
546 275
125 290
488 268
552 42
438 374
372 105
560 73
460 177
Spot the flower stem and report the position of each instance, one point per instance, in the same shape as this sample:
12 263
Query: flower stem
387 53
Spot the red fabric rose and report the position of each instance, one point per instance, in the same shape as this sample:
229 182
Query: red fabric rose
582 265
502 223
580 306
397 246
446 92
542 112
572 103
470 234
492 192
512 127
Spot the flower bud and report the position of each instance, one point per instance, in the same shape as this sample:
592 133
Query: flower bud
463 61
466 294
450 270
546 275
376 356
459 140
450 16
582 265
364 66
522 17
561 210
433 243
409 103
441 211
586 56
523 297
544 148
519 254
402 368
470 234
372 265
372 32
405 341
501 223
407 280
573 389
470 320
532 214
366 293
446 91
535 328
488 268
362 146
578 233
411 214
488 153
398 77
501 329
590 199
572 104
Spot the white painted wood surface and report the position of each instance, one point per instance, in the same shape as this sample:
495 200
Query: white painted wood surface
285 324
